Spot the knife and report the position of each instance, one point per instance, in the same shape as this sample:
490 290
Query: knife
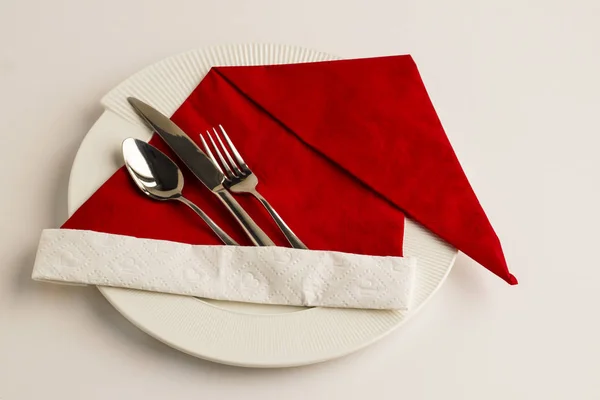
200 165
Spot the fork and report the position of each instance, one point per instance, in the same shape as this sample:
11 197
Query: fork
240 179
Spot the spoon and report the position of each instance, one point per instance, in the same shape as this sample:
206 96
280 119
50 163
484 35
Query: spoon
160 178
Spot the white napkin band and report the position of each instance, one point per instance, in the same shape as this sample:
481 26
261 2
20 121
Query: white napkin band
267 275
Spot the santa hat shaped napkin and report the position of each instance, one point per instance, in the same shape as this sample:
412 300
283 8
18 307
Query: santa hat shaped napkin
344 150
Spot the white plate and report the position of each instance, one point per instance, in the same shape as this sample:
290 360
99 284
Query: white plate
237 334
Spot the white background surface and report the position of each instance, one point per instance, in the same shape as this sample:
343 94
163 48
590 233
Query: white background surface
516 86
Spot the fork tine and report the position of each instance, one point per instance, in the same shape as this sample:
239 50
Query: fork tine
231 162
228 172
236 154
210 155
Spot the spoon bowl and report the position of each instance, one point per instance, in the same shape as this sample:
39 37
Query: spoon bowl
152 171
160 178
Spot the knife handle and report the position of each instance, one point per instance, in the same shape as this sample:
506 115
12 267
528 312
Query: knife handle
258 237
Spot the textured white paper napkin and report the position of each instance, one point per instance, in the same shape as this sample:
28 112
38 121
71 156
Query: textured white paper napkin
268 275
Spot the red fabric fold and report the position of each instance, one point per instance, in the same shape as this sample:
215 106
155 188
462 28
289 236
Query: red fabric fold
342 149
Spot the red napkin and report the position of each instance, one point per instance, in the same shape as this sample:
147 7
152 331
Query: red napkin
342 149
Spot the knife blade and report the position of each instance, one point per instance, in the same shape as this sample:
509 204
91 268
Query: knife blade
201 166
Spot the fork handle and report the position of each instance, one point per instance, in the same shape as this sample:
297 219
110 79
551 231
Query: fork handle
290 236
253 231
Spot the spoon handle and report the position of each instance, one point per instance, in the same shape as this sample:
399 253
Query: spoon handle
216 229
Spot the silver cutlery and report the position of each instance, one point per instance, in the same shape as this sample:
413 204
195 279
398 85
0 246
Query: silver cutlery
201 166
159 177
240 179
